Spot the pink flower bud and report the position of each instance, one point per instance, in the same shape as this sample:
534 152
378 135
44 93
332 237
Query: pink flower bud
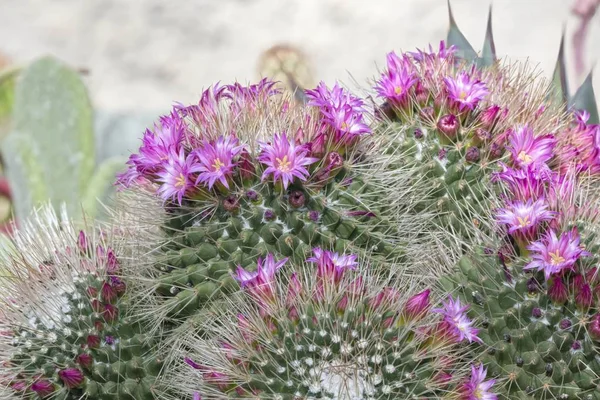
84 359
246 165
417 305
449 125
71 377
583 298
557 291
110 313
42 387
82 242
488 117
594 328
109 294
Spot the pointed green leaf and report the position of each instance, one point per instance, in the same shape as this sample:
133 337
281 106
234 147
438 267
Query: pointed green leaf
52 109
24 169
7 95
585 99
560 89
488 55
101 186
455 37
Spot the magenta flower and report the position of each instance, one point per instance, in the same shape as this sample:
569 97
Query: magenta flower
249 97
456 322
443 53
330 265
207 108
260 282
42 387
285 160
477 388
553 254
341 111
527 183
416 306
71 377
523 217
465 91
396 82
216 160
176 176
527 149
156 146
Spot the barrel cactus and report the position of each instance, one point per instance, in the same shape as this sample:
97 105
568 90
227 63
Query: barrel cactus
64 331
447 123
536 291
330 329
245 173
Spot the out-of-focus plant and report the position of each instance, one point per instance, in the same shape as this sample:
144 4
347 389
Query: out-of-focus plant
49 150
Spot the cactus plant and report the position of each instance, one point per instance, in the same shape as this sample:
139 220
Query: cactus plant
64 332
330 330
536 292
49 152
448 123
247 175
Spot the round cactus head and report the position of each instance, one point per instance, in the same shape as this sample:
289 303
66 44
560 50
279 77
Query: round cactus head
63 334
537 293
246 173
333 328
449 123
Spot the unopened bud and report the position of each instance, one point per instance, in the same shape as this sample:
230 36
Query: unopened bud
472 155
297 199
449 125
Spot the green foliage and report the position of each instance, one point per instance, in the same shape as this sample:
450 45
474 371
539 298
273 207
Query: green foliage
50 152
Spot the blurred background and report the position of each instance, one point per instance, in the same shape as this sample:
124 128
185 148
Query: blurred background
137 57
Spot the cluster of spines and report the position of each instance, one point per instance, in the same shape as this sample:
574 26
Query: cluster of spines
329 329
64 332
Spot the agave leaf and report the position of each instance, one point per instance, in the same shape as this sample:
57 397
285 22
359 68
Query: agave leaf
560 88
22 156
52 112
585 99
455 37
101 187
488 54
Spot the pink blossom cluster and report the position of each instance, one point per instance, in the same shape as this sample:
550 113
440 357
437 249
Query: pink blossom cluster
186 155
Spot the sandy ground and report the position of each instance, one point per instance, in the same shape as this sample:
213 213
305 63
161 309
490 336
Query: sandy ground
145 54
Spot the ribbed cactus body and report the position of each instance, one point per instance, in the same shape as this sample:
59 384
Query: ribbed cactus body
205 250
537 348
323 331
451 179
90 336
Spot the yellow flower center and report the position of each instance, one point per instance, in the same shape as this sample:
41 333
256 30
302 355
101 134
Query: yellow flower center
523 222
478 394
344 126
398 90
180 181
556 258
283 164
217 165
462 95
526 158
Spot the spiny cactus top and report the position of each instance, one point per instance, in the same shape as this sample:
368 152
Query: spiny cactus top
63 329
331 329
538 292
452 123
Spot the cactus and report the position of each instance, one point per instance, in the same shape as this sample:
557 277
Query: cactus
330 330
49 153
64 329
246 176
537 292
448 125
